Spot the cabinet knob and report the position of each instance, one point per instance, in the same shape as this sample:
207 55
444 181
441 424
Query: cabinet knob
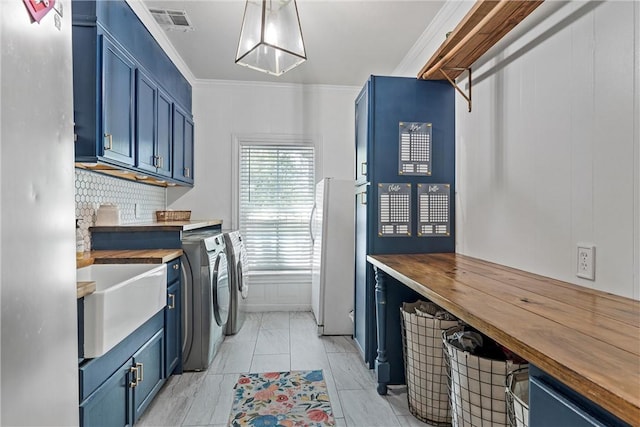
172 302
176 266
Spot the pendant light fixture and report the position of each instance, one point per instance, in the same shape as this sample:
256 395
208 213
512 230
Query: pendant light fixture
271 37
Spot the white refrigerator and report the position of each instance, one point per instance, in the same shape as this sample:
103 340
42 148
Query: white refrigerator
333 235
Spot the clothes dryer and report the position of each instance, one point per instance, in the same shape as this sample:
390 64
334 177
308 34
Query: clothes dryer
206 292
237 255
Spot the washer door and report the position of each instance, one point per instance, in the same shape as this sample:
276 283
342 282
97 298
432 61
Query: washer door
220 287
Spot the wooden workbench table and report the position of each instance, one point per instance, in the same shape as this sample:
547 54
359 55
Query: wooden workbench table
588 340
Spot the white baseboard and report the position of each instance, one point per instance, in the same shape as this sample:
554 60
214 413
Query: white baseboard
255 308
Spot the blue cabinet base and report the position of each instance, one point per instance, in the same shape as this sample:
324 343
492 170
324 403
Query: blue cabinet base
553 404
107 393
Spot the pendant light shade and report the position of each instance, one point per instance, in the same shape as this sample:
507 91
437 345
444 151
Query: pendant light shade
271 37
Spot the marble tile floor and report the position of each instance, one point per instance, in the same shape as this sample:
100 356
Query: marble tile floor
280 341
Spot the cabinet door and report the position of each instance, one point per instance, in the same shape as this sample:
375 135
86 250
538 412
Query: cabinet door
362 135
182 146
172 327
149 363
164 134
364 307
110 404
117 103
552 404
188 151
146 95
362 298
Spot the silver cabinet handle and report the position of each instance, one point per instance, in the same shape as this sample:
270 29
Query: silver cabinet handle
363 168
109 145
140 369
176 266
172 303
363 198
187 173
160 162
134 382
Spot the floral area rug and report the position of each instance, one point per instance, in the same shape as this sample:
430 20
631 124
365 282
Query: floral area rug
285 399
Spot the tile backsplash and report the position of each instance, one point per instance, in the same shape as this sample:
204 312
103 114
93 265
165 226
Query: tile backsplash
94 189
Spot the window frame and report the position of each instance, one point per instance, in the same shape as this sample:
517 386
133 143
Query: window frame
240 140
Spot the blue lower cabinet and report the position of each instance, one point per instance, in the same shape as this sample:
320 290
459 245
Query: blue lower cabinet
173 329
110 404
80 314
552 404
148 367
117 387
173 320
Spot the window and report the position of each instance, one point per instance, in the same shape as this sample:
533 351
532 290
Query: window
276 195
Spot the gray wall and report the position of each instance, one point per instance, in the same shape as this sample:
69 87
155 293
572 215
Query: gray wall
38 350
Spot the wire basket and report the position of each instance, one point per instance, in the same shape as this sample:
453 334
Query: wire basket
173 215
476 386
425 367
517 395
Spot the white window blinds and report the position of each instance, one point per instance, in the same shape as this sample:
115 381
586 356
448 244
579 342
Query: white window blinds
276 186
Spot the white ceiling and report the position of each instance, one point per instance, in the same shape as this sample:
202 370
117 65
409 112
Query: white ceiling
346 40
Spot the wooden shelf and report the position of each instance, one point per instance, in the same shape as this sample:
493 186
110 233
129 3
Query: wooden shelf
481 28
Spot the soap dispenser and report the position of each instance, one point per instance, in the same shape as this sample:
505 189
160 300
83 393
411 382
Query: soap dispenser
79 241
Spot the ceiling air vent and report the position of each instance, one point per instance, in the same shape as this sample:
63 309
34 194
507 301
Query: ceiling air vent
172 20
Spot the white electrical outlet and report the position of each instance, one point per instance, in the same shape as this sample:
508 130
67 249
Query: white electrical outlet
586 262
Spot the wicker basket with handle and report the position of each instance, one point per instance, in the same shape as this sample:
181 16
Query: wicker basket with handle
173 215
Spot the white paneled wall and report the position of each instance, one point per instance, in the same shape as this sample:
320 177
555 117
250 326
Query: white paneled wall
223 109
549 156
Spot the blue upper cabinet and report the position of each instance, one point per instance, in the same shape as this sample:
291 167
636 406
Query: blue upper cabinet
182 146
153 130
117 106
146 119
126 90
165 137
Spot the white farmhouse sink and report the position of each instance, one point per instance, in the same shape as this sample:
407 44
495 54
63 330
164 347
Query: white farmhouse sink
126 296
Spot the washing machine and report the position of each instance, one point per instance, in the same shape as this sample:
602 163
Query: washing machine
206 297
237 255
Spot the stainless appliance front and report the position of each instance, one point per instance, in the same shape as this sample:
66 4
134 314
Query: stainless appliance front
206 299
237 255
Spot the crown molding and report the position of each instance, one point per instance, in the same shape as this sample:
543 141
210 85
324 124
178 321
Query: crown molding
159 34
283 85
432 37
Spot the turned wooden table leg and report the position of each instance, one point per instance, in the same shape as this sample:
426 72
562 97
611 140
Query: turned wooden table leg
382 365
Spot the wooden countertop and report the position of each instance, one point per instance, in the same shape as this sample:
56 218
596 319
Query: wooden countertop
85 288
159 226
138 256
587 339
135 256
